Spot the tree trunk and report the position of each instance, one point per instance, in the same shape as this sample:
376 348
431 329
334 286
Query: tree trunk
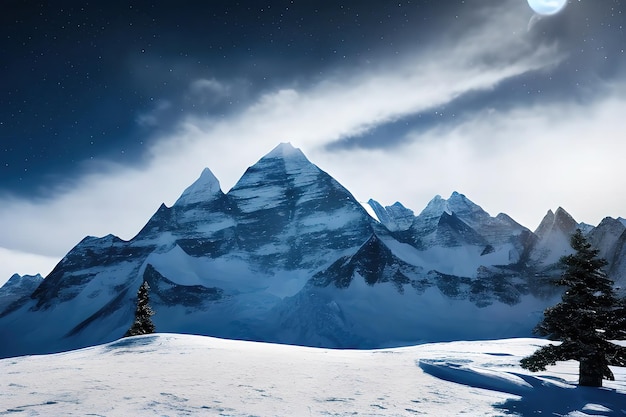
590 373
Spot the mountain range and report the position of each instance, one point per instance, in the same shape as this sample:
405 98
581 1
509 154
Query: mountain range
288 255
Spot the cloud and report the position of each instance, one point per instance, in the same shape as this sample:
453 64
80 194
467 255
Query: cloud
152 117
120 199
522 161
209 87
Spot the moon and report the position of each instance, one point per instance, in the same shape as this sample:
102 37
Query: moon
547 7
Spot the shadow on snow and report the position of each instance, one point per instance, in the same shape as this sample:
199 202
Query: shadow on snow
536 395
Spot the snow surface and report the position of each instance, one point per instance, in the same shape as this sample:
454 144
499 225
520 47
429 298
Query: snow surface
175 375
230 274
461 260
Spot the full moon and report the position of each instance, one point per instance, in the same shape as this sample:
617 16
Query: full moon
547 7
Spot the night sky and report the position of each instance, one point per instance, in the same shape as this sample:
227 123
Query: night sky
108 109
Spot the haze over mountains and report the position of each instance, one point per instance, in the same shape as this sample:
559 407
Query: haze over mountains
288 255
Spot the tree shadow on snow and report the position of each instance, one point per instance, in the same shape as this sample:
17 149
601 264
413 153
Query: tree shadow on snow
132 344
537 396
551 399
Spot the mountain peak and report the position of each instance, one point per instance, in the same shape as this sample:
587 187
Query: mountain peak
559 220
395 217
457 203
564 220
203 189
436 207
285 150
16 278
560 211
283 163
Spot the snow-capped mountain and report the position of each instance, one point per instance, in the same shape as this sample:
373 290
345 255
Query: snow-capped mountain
553 236
609 237
17 287
288 255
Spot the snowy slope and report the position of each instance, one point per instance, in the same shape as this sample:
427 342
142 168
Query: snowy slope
175 375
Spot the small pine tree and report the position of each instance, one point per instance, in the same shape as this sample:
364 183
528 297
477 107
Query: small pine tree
587 318
143 323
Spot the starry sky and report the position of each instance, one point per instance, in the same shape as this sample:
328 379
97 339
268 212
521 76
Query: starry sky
108 109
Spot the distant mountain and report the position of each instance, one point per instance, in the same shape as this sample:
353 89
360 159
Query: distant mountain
17 287
610 238
288 255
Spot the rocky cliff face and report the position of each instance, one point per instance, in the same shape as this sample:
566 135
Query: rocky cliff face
288 255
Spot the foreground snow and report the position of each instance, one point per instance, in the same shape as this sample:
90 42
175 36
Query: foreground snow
173 375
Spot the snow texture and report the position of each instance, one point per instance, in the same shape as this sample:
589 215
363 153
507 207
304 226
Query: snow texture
176 375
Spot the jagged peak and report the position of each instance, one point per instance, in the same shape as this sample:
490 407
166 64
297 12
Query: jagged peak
457 203
545 224
560 211
395 217
19 280
436 207
109 239
610 222
563 218
399 205
505 217
205 188
559 219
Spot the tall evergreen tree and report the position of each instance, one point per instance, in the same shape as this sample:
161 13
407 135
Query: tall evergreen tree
143 323
587 318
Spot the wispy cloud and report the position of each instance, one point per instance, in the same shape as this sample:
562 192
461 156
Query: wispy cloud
209 89
152 117
522 161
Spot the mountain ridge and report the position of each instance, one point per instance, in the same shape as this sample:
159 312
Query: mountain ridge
289 255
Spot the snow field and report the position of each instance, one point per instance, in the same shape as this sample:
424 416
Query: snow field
176 375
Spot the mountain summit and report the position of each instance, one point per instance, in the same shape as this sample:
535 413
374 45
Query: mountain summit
205 187
288 255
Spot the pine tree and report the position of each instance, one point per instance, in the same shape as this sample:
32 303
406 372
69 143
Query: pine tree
587 318
143 323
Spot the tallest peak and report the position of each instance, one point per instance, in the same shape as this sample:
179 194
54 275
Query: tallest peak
284 150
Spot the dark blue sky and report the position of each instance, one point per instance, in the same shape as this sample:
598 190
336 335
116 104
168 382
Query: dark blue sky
78 77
